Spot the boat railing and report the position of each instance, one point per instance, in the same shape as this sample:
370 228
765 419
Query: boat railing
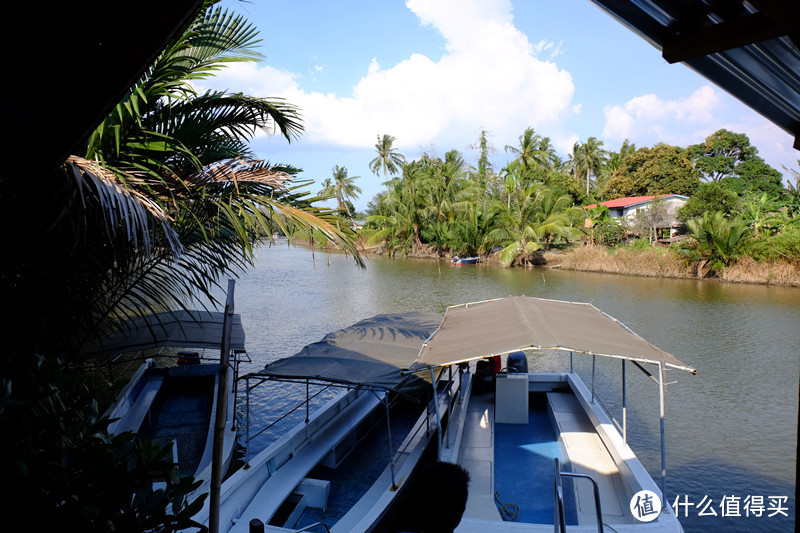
303 404
559 522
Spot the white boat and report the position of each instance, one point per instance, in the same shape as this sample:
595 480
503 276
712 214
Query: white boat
176 405
345 466
526 442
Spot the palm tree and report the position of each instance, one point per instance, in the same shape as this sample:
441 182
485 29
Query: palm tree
534 151
588 158
344 189
716 240
166 202
387 158
533 220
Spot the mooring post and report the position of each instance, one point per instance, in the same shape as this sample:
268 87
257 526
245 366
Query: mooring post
222 408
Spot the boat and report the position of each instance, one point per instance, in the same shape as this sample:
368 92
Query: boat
458 261
176 404
542 452
343 467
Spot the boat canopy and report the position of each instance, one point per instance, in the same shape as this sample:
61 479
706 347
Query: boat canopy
371 353
178 329
505 325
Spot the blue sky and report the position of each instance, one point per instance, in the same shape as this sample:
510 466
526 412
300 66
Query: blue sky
434 73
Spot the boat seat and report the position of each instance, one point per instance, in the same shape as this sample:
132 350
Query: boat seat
283 482
476 455
134 417
586 454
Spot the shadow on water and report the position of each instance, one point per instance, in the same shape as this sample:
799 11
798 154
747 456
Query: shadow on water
731 429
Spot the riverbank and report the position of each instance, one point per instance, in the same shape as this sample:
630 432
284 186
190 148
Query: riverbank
631 261
661 262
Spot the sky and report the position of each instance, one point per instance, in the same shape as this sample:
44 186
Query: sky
434 73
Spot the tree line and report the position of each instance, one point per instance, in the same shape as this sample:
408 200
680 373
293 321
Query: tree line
445 206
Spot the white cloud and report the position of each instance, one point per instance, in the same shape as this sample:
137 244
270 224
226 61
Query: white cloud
490 77
649 116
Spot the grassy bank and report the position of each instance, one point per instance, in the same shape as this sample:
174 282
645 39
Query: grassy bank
662 262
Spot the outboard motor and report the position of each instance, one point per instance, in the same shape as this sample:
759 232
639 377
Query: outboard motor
517 362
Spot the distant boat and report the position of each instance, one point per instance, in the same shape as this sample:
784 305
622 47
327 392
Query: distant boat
457 261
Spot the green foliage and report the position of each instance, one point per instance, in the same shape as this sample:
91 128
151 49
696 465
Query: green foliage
721 153
662 169
63 468
609 231
716 239
588 159
755 176
534 218
783 246
712 196
641 244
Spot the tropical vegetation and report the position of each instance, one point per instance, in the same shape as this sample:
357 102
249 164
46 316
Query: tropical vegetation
166 200
737 207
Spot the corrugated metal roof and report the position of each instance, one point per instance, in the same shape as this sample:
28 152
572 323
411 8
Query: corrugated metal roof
631 200
750 48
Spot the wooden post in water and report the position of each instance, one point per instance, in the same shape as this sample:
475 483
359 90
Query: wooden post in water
222 408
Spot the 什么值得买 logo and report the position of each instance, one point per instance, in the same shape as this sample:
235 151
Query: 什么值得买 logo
645 506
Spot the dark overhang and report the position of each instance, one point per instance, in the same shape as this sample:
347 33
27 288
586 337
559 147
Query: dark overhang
67 64
749 48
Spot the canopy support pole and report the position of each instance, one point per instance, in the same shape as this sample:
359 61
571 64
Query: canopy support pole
570 362
624 408
247 424
389 430
308 401
438 416
663 439
594 362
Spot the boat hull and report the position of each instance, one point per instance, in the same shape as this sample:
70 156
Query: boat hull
176 405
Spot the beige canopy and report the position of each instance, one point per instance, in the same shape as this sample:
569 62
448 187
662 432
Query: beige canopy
505 325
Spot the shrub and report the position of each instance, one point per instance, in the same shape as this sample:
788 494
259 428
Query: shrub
609 231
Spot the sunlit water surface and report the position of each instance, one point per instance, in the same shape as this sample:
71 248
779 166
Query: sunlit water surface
731 429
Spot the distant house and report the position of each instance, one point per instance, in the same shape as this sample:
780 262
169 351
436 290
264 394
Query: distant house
627 208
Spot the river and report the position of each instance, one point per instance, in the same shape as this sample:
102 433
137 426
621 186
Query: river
731 429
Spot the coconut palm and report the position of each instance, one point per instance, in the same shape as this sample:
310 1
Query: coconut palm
535 218
387 159
166 202
344 189
588 158
534 151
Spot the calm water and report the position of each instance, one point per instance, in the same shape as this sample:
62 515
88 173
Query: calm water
731 429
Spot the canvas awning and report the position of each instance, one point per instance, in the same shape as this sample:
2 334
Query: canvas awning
179 329
372 352
506 325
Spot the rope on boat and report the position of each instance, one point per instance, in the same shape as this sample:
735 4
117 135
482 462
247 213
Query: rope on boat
509 512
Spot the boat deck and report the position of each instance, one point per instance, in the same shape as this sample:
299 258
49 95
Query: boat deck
521 457
181 414
356 474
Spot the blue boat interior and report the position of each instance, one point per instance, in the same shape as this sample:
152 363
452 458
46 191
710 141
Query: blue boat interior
181 413
524 467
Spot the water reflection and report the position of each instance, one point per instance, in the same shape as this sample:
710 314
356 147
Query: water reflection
731 429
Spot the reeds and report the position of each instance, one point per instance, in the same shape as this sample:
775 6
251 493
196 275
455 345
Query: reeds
746 270
662 262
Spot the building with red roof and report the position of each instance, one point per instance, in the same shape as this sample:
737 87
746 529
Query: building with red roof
626 209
